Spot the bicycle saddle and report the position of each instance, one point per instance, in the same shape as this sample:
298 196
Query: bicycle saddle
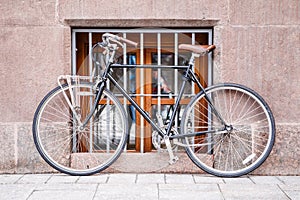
200 49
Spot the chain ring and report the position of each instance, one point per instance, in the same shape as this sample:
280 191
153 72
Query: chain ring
158 141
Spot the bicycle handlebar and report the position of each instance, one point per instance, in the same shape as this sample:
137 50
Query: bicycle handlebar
108 36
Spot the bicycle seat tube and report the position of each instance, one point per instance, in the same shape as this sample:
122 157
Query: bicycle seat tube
100 88
191 73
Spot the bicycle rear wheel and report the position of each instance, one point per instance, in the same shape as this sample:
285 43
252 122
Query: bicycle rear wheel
67 148
241 144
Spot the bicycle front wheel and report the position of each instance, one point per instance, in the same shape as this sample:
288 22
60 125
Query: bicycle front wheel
231 130
64 145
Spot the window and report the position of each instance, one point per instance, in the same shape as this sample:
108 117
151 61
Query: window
155 90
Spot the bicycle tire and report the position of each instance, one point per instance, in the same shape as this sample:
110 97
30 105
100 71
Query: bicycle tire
241 146
70 150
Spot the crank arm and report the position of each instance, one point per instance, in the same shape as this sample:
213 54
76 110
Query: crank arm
173 158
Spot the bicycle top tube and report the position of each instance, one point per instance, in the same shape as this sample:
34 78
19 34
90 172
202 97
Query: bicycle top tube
150 66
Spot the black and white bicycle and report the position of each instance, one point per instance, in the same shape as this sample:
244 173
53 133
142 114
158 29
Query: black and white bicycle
81 127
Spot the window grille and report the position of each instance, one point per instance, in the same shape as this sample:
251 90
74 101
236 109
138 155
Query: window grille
157 46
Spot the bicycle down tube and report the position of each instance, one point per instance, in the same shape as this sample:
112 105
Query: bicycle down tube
145 114
177 103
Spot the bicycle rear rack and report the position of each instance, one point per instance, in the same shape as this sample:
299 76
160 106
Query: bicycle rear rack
72 94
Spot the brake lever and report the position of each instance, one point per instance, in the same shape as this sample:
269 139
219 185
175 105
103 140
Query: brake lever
116 41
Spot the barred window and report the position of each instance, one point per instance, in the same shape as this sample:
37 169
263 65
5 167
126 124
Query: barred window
155 90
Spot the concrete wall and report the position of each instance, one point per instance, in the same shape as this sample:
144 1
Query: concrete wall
258 44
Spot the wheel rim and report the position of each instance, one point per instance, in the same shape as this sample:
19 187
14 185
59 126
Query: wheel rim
71 150
240 146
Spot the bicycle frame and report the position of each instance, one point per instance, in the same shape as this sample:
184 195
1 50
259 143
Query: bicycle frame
187 76
140 110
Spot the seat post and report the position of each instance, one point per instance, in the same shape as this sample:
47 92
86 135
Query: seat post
192 59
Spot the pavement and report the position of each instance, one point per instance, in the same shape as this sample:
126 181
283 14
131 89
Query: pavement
146 186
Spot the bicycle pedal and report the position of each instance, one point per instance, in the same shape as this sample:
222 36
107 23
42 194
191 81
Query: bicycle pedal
173 160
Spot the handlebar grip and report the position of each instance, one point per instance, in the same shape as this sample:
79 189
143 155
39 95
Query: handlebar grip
210 48
128 41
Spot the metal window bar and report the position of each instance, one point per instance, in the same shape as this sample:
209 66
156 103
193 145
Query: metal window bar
159 73
125 80
176 78
142 90
91 98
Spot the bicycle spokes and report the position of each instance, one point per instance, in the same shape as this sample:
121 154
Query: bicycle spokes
236 147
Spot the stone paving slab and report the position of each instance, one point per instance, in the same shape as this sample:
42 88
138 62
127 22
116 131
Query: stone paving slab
34 178
10 179
16 191
151 179
127 191
61 178
189 191
247 191
61 194
179 179
122 178
200 179
147 186
64 186
269 180
99 179
289 180
241 180
292 191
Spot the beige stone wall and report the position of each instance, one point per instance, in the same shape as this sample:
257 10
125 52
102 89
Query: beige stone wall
258 44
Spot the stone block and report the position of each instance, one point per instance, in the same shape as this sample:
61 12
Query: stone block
58 194
141 163
266 180
31 59
264 12
207 179
179 179
122 178
15 191
67 187
126 191
238 181
27 13
10 178
62 179
8 148
190 191
290 181
134 9
150 179
97 179
37 179
293 192
284 158
257 57
251 191
29 160
153 162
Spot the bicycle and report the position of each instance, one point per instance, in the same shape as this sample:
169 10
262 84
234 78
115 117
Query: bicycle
80 127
